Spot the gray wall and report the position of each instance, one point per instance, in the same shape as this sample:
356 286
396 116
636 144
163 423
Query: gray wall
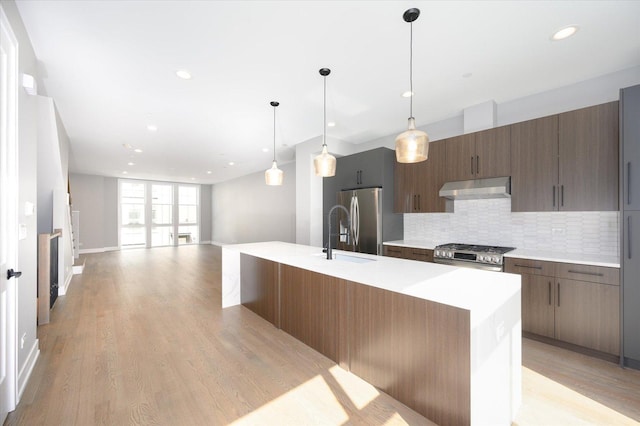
27 192
205 213
247 210
90 195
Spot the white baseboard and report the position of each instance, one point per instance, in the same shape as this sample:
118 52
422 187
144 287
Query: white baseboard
98 250
77 269
205 242
27 368
62 290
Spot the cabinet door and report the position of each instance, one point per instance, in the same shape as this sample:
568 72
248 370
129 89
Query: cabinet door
461 157
538 304
588 141
429 177
405 196
493 153
631 279
630 127
423 255
534 165
588 314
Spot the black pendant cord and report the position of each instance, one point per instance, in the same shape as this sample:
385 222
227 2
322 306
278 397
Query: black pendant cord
411 71
324 115
274 134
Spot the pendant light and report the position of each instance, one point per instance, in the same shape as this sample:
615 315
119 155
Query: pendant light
412 146
274 175
325 163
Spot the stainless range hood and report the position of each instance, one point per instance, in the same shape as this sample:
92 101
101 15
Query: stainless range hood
499 187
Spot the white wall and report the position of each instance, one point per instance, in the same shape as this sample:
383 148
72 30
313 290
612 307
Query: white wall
88 197
247 210
205 212
27 192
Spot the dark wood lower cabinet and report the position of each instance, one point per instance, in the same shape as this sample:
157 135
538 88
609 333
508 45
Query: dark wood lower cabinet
313 310
259 283
415 350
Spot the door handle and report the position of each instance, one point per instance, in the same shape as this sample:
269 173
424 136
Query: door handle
561 195
477 164
13 274
472 165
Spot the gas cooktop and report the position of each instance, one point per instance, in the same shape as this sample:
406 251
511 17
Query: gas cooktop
471 255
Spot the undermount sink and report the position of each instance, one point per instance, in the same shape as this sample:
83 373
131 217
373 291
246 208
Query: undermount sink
348 258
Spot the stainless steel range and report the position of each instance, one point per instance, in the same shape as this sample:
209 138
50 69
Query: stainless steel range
489 258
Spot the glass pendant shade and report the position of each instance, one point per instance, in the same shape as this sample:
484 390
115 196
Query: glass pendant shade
325 163
412 146
274 176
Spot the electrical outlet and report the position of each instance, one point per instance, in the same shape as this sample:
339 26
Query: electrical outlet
22 339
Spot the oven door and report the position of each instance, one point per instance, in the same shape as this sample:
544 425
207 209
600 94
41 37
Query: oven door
469 264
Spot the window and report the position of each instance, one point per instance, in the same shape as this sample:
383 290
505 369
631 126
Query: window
169 216
188 214
161 214
132 206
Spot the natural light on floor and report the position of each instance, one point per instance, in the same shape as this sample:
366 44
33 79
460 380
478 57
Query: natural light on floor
569 407
294 407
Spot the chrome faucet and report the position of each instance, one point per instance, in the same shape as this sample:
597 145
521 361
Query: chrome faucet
339 234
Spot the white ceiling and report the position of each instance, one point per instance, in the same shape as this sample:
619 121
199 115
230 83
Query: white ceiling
110 66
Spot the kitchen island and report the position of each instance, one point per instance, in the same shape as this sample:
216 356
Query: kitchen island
445 341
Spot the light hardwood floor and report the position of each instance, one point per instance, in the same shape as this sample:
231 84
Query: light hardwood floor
140 338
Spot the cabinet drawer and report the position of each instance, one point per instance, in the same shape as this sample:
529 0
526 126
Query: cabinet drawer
395 251
595 274
424 255
528 266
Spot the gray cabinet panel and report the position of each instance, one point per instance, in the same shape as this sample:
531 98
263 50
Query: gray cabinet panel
630 128
631 289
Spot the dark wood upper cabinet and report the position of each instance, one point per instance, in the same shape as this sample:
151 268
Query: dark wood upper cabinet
588 142
461 157
479 155
534 165
417 185
566 162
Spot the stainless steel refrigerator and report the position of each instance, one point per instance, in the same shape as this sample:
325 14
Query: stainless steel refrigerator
365 233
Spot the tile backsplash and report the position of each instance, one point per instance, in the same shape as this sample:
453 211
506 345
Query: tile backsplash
491 222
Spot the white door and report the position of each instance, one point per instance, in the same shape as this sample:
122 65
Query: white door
8 214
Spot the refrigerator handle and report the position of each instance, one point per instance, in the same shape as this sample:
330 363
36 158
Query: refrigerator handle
355 221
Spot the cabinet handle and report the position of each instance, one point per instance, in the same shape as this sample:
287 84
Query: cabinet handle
549 293
596 274
357 177
415 203
477 164
561 195
527 266
629 236
554 195
419 203
558 295
629 182
472 165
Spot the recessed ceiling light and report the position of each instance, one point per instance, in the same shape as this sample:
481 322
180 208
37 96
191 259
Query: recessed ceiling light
127 146
152 127
209 172
467 75
565 32
331 124
193 178
124 172
265 149
231 163
138 150
408 94
183 74
131 163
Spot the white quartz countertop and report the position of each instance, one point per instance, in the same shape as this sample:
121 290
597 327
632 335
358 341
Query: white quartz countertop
481 292
611 261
